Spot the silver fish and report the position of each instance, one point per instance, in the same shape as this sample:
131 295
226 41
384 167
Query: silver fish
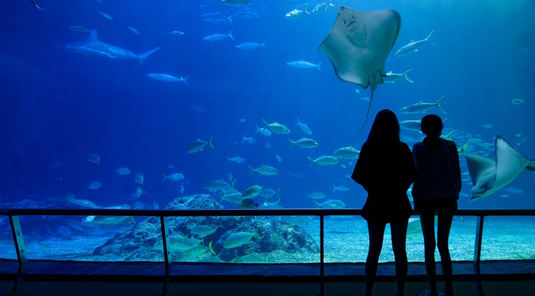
422 107
413 46
92 46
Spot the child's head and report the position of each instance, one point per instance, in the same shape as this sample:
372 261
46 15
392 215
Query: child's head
431 125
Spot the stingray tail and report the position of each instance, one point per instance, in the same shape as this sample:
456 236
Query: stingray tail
365 119
352 146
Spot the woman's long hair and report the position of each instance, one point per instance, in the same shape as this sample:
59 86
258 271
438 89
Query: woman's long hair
385 130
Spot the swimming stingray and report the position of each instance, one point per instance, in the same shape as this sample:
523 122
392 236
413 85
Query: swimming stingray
359 44
490 175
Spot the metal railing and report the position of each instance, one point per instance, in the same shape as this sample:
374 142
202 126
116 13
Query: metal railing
22 258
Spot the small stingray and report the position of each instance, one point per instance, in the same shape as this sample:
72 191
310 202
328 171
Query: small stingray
359 44
490 175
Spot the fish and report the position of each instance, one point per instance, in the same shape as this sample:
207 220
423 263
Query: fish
263 131
296 13
421 107
168 77
251 45
37 6
216 185
411 125
252 191
279 158
319 8
81 202
236 159
93 46
340 188
264 170
413 46
391 76
248 203
331 204
302 64
346 153
139 191
268 193
358 46
217 37
232 196
173 177
304 127
94 185
183 243
277 127
249 140
240 238
297 220
323 160
79 29
176 33
199 144
201 231
304 143
316 195
490 175
123 171
271 205
94 158
139 178
109 17
104 221
517 101
134 30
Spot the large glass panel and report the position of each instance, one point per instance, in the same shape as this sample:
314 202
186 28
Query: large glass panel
247 239
346 239
91 238
508 238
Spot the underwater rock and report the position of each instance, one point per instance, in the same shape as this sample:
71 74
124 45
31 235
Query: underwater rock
247 239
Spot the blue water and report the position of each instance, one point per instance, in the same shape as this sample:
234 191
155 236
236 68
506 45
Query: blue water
58 106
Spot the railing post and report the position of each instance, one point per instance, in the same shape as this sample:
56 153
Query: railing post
477 254
322 254
21 253
166 256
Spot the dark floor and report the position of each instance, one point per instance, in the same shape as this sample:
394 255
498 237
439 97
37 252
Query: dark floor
136 279
251 288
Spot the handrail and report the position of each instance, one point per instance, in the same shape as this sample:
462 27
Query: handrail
321 213
240 212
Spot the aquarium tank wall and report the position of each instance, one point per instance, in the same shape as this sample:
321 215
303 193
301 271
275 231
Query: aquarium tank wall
147 104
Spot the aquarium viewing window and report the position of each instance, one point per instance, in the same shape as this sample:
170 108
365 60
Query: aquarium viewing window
120 117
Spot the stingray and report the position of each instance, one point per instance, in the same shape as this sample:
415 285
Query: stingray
359 44
490 175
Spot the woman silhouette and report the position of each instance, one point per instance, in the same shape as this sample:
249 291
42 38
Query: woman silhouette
385 169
